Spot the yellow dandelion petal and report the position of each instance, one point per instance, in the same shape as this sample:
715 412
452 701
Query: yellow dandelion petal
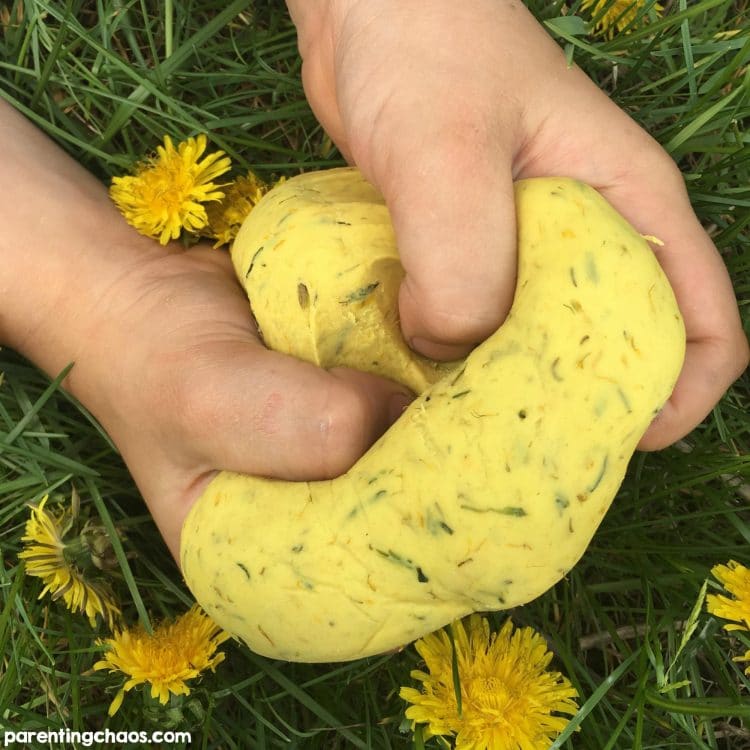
44 556
117 702
616 15
225 217
736 580
177 651
509 700
745 658
167 192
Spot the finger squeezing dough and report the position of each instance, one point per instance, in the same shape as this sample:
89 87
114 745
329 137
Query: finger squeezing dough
490 486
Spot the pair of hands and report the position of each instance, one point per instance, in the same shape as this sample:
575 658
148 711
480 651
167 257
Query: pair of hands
442 107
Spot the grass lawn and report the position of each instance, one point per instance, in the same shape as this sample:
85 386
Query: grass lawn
107 79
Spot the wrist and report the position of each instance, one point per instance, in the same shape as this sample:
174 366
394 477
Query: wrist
63 245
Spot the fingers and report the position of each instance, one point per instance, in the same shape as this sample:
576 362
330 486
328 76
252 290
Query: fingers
435 133
253 411
457 248
259 412
710 367
196 392
643 183
717 348
445 166
446 179
654 199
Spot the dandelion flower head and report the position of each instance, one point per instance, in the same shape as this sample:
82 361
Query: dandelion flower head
177 651
736 580
509 701
167 192
60 564
226 216
616 15
736 607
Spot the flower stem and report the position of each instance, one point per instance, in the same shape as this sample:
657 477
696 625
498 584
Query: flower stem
710 707
168 29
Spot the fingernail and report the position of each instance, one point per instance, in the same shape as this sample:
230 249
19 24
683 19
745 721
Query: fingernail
397 404
437 351
418 344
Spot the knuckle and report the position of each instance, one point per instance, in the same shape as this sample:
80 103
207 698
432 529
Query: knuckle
729 358
343 428
269 414
738 356
670 176
655 165
192 403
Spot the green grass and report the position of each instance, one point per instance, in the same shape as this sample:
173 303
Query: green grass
107 79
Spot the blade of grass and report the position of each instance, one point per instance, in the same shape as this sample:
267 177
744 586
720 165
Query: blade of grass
175 61
31 413
122 559
593 701
306 700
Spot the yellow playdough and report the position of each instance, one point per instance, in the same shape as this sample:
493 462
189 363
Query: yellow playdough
489 488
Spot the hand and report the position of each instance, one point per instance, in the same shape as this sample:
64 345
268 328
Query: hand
178 377
442 106
165 350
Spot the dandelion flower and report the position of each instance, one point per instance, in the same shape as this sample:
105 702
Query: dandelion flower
226 217
62 565
167 192
616 15
177 651
508 698
736 580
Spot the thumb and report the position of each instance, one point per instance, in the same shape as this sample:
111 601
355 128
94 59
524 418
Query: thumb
273 415
246 409
455 225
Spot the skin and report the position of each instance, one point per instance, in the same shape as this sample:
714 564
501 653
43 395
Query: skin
166 356
442 123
